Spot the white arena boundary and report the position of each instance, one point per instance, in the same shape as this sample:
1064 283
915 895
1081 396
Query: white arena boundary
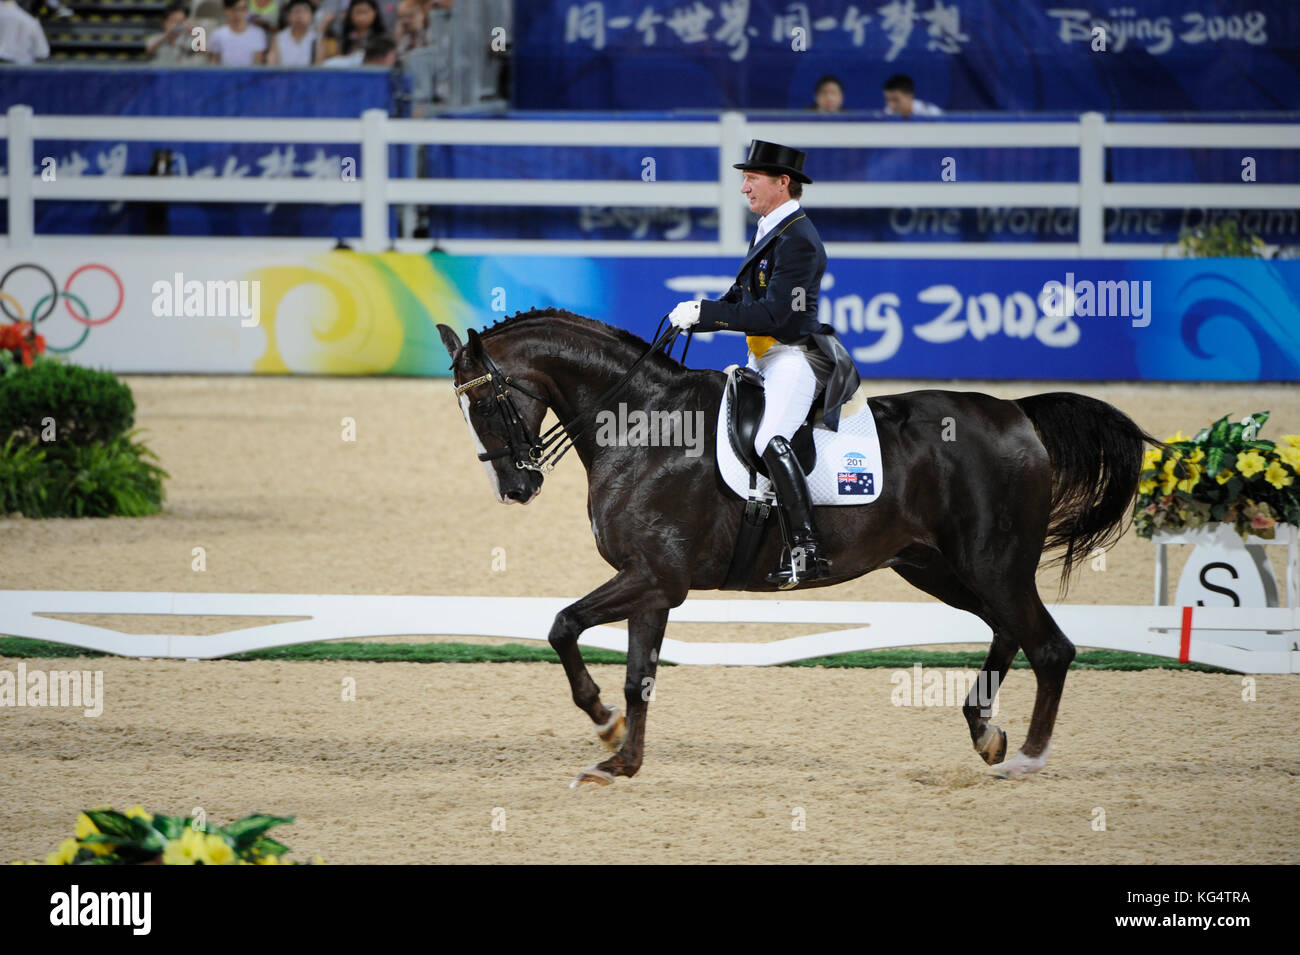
1186 633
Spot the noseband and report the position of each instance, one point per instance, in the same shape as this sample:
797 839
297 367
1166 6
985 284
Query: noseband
543 452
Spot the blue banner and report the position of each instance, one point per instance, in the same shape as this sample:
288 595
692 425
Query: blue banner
226 92
1147 55
1158 320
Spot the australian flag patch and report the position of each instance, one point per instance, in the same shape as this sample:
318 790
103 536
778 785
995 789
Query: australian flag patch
851 483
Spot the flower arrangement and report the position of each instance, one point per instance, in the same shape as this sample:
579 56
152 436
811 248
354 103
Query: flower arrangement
135 837
19 345
1224 473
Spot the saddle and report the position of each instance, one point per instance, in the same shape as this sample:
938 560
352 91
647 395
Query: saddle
744 414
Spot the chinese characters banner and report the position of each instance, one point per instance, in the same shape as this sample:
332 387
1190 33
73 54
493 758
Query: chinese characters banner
964 54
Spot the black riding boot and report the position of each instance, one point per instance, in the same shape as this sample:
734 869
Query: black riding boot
792 498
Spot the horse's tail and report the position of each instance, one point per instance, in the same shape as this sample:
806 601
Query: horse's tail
1096 456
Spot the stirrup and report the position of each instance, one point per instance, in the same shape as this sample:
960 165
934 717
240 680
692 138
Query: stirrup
789 575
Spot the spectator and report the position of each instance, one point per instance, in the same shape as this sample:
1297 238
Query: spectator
297 44
265 14
172 46
380 51
900 99
412 26
22 41
829 95
359 24
238 43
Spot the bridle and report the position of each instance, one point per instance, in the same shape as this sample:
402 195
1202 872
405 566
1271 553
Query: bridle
542 452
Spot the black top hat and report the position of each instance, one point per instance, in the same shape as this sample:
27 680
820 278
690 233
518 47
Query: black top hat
776 159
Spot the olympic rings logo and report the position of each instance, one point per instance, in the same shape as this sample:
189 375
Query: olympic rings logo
50 300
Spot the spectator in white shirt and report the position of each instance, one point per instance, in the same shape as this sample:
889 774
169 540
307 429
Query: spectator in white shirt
378 51
900 99
298 44
238 43
22 41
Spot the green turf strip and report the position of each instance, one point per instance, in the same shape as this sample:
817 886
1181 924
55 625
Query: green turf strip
518 653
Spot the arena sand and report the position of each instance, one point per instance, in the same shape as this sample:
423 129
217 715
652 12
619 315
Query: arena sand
1177 765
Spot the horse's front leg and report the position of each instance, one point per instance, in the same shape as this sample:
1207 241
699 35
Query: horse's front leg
627 594
645 634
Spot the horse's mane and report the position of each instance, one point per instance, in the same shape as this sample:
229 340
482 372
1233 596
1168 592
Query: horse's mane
580 323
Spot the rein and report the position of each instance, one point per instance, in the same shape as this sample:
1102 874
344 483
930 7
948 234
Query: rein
544 452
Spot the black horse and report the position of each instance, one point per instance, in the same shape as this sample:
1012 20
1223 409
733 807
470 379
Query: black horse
975 488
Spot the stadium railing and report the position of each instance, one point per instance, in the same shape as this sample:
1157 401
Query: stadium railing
730 133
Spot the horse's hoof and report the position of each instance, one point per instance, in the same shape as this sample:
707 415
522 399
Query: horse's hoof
612 731
992 746
592 774
1018 765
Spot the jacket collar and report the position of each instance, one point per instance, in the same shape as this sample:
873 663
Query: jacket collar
772 233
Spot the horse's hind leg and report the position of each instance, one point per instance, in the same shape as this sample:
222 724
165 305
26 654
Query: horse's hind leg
1050 653
937 579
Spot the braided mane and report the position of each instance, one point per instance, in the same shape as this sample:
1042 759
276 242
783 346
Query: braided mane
580 323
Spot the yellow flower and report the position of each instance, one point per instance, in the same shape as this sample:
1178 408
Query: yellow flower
64 854
174 854
1168 478
268 860
195 846
1276 475
1291 440
1224 476
1289 454
216 851
1147 486
86 827
1250 463
1151 458
1177 436
187 850
1193 475
137 812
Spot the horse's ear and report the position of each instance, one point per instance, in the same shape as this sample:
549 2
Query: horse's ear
450 340
473 346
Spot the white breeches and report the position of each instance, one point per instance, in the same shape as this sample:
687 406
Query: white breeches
790 385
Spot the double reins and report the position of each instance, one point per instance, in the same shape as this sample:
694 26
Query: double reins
542 453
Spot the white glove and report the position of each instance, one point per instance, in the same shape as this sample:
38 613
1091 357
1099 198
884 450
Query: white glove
685 314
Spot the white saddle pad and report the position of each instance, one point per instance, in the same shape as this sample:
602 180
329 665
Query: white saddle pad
848 467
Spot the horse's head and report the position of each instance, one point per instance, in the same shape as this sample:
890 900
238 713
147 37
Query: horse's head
503 418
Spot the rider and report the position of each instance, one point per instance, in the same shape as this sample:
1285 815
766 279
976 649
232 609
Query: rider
774 301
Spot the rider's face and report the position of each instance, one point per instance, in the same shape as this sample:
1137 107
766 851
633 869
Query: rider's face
765 192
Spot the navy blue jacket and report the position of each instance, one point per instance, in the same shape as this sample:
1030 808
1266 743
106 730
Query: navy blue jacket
764 301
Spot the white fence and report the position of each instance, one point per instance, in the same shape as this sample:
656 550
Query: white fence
730 134
1186 633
